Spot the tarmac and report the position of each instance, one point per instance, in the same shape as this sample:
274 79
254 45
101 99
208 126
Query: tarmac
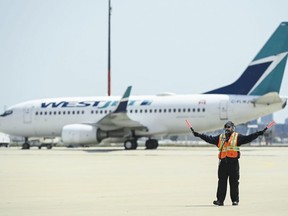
110 181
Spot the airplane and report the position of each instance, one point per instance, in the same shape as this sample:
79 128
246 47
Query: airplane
91 120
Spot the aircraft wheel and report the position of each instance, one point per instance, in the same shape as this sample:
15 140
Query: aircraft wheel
49 146
156 144
151 144
130 144
26 146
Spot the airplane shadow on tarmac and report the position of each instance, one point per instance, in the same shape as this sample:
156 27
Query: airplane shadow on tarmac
102 150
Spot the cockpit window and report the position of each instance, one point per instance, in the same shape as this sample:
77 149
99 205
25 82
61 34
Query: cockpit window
6 113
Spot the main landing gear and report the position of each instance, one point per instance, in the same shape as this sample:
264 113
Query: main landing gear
132 144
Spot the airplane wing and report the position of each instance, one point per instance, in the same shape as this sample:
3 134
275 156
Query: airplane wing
118 119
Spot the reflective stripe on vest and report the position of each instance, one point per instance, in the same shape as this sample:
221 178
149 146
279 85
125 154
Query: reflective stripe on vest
229 148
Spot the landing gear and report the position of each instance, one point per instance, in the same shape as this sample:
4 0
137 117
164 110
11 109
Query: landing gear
130 144
151 144
26 145
48 146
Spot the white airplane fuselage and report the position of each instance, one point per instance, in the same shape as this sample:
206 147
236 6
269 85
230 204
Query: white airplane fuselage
162 115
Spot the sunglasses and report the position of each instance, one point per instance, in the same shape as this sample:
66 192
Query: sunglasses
227 126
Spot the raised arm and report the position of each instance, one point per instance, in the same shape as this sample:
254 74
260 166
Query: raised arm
209 139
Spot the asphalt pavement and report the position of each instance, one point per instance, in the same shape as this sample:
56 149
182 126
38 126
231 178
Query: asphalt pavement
110 181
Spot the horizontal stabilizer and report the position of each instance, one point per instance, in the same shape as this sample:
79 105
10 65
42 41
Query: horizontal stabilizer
269 98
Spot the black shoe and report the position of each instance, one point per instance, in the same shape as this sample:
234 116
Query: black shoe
217 202
235 203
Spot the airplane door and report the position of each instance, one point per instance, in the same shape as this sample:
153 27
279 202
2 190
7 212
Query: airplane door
223 110
27 115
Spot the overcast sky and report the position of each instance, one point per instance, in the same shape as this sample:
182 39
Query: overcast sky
54 48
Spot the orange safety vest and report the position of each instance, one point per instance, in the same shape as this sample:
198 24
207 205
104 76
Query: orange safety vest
229 148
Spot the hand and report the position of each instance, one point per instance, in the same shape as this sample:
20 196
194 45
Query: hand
196 134
260 133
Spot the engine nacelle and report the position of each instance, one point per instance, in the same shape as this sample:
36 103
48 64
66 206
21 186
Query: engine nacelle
85 134
79 134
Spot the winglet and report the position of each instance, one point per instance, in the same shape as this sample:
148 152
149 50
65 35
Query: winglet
122 106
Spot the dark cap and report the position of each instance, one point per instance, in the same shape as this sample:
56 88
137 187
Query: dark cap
229 123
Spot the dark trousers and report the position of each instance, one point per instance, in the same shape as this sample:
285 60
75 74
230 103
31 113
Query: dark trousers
228 168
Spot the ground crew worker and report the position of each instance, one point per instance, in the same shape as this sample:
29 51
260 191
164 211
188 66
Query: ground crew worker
228 144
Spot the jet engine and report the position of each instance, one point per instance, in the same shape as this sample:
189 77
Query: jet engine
85 134
79 134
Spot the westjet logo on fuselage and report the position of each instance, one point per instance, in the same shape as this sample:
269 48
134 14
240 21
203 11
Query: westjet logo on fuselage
96 104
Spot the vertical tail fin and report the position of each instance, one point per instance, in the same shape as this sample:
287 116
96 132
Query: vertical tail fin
265 73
